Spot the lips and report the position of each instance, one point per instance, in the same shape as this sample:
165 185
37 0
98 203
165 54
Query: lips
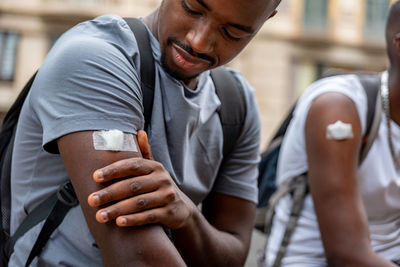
186 61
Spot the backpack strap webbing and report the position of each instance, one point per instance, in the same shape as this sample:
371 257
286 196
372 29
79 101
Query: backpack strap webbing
232 112
298 186
147 68
298 189
371 84
58 204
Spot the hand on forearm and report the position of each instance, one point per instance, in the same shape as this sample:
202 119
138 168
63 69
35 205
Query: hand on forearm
148 196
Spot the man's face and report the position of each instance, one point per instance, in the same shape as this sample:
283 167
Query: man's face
197 35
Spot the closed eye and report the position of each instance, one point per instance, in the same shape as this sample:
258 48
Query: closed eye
188 10
230 36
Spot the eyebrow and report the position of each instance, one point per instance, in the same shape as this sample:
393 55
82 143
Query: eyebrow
201 2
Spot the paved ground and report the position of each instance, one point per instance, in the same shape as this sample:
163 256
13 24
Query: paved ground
257 243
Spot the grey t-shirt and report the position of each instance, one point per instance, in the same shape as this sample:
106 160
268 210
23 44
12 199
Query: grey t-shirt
90 81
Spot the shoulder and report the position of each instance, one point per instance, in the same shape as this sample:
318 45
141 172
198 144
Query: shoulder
247 91
100 49
90 80
252 112
330 93
348 85
243 83
106 38
247 115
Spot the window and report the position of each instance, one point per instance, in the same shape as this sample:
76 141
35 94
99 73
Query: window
375 18
305 72
8 51
315 15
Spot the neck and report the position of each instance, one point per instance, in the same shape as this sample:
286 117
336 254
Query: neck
151 22
394 94
192 83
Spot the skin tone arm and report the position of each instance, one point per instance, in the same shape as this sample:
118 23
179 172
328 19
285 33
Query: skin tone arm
221 237
334 185
224 232
135 246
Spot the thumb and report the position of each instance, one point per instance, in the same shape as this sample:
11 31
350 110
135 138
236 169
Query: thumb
144 145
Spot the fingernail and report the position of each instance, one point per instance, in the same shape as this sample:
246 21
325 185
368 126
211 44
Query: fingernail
96 200
98 175
104 216
122 220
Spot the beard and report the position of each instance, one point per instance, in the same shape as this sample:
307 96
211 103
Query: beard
175 73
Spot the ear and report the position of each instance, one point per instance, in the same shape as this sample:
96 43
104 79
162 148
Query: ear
396 43
144 145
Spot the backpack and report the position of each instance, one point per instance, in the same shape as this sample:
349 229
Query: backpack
270 194
232 114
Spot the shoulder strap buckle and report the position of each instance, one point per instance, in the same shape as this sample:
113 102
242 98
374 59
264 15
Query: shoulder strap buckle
66 194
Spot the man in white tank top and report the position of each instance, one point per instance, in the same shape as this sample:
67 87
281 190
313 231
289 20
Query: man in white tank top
352 215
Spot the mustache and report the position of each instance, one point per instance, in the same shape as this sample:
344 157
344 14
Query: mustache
189 50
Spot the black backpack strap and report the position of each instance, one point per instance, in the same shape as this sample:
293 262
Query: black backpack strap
61 202
5 189
233 106
147 69
371 84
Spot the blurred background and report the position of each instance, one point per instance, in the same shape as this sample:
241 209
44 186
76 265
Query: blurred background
303 41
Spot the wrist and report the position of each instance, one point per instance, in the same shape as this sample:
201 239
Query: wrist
190 222
193 216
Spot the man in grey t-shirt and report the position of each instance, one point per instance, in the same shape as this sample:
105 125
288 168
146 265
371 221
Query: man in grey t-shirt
90 82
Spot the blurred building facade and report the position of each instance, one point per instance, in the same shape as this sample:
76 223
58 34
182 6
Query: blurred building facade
305 39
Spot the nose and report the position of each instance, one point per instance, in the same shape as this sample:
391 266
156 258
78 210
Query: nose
201 38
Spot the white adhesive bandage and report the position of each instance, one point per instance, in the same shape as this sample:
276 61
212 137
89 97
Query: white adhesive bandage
114 140
339 131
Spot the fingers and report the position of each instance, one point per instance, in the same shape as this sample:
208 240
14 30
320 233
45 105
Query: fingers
144 145
169 216
133 205
143 218
124 168
122 189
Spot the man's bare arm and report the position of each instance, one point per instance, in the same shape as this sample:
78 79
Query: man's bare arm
131 246
333 180
224 232
219 238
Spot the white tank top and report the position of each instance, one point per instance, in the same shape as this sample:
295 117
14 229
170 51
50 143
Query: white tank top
379 183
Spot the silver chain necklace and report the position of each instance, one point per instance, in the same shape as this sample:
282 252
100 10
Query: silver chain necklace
386 109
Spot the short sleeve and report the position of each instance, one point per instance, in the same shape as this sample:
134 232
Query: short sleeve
238 174
88 82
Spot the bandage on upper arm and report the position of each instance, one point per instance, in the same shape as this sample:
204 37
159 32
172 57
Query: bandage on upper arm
114 140
339 131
